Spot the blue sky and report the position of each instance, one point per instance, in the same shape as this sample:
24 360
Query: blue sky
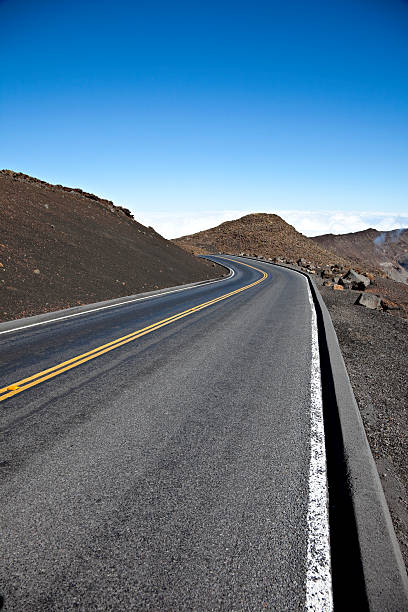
191 113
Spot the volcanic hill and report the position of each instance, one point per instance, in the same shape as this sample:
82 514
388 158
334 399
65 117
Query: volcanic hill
259 234
62 247
382 250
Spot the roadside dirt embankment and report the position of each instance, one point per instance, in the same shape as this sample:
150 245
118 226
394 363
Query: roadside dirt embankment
62 247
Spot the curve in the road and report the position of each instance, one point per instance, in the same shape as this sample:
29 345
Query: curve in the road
40 377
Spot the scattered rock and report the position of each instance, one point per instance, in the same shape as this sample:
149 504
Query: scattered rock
369 300
389 305
326 273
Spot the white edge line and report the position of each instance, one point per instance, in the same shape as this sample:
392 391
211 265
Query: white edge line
319 595
147 297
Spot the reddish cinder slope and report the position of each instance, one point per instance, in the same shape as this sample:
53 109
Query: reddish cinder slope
61 247
259 234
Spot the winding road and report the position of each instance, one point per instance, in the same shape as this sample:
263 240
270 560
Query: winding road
167 453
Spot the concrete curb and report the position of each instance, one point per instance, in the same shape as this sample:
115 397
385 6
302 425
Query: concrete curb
384 577
56 315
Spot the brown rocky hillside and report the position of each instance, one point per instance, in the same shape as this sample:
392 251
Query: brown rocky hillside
382 250
259 234
62 247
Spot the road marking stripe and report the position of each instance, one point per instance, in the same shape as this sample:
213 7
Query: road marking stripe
114 342
26 383
136 333
319 594
141 299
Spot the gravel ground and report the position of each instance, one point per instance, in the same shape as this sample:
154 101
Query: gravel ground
375 350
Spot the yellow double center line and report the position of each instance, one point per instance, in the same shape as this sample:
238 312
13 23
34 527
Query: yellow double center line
36 379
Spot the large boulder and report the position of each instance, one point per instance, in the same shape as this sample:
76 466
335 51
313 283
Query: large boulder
358 281
369 300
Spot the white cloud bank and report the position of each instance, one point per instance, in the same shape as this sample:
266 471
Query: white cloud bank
310 223
314 223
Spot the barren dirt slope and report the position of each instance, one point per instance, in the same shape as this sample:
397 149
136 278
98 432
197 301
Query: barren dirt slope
259 234
61 247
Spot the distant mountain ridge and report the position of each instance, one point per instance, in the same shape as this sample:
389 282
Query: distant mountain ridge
382 250
259 234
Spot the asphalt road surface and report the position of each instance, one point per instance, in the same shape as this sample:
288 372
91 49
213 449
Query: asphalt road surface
169 470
